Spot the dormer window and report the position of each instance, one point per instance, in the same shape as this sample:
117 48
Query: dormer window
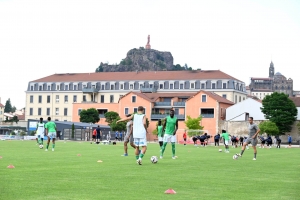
192 85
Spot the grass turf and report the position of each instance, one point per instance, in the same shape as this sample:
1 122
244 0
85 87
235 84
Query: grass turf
198 173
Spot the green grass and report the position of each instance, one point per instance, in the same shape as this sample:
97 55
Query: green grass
198 173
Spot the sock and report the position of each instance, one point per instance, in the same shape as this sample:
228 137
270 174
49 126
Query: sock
47 146
141 156
254 155
242 151
136 156
163 148
173 149
42 141
53 145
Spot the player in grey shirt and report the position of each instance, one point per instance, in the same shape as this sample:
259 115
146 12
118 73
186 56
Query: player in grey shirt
252 138
128 137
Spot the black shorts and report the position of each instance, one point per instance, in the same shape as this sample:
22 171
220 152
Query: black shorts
201 141
263 142
98 136
216 140
94 136
290 143
184 139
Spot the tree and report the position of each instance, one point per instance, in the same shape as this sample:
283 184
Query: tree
298 126
193 124
73 130
90 115
8 107
281 110
121 126
269 128
13 109
111 116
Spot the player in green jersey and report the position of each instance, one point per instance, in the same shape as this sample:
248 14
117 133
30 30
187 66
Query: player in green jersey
225 137
170 126
50 133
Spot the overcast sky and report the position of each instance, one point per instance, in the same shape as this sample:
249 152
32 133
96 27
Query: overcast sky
239 37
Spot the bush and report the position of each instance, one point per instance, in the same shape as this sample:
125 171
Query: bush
32 133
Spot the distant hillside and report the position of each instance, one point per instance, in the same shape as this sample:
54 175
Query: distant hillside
143 60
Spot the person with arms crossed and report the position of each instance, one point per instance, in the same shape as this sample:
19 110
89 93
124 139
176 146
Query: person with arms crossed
170 126
40 130
252 138
50 133
128 137
139 133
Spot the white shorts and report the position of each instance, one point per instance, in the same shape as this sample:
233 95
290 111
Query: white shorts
226 142
140 142
40 136
52 135
160 139
169 138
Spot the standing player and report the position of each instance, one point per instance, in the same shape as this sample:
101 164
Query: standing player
290 140
170 127
241 140
225 137
160 134
50 133
139 133
217 138
128 137
252 138
98 136
184 137
262 141
94 136
40 130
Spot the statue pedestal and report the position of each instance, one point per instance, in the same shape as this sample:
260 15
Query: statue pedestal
148 46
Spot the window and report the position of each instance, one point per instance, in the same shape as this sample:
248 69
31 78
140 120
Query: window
171 86
57 88
181 86
102 87
66 98
48 111
161 86
31 111
74 98
207 112
40 88
224 85
102 99
66 87
75 87
65 111
84 98
131 86
151 85
126 111
243 98
192 85
111 87
122 86
31 88
48 98
135 110
49 87
57 99
40 99
203 98
141 86
56 111
240 98
39 111
235 100
213 86
144 112
133 99
111 98
79 111
202 86
224 96
31 99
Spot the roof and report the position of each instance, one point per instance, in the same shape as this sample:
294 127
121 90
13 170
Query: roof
254 98
278 74
135 76
213 95
296 101
256 78
261 90
1 105
21 117
247 88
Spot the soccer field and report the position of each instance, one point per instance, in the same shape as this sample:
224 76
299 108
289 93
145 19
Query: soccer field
72 172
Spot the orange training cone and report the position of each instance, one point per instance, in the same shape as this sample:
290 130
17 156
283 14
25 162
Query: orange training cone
78 154
10 166
170 191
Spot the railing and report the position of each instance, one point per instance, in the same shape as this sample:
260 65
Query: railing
179 103
148 89
101 116
207 115
161 116
89 90
162 104
89 102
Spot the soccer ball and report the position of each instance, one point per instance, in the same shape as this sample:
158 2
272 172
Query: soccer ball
220 150
235 157
41 146
154 159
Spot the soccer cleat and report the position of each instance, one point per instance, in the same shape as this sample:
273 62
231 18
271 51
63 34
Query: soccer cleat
139 161
52 149
161 157
254 158
174 157
238 154
125 154
46 149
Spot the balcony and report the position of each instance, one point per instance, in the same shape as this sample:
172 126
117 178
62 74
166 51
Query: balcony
149 90
161 116
179 104
101 116
207 115
89 102
89 90
162 104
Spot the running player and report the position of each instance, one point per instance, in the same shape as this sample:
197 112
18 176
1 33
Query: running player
170 127
50 133
225 137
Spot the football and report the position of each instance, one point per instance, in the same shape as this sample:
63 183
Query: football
41 146
154 159
235 157
220 150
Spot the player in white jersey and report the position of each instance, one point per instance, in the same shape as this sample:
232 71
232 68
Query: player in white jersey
139 133
40 131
